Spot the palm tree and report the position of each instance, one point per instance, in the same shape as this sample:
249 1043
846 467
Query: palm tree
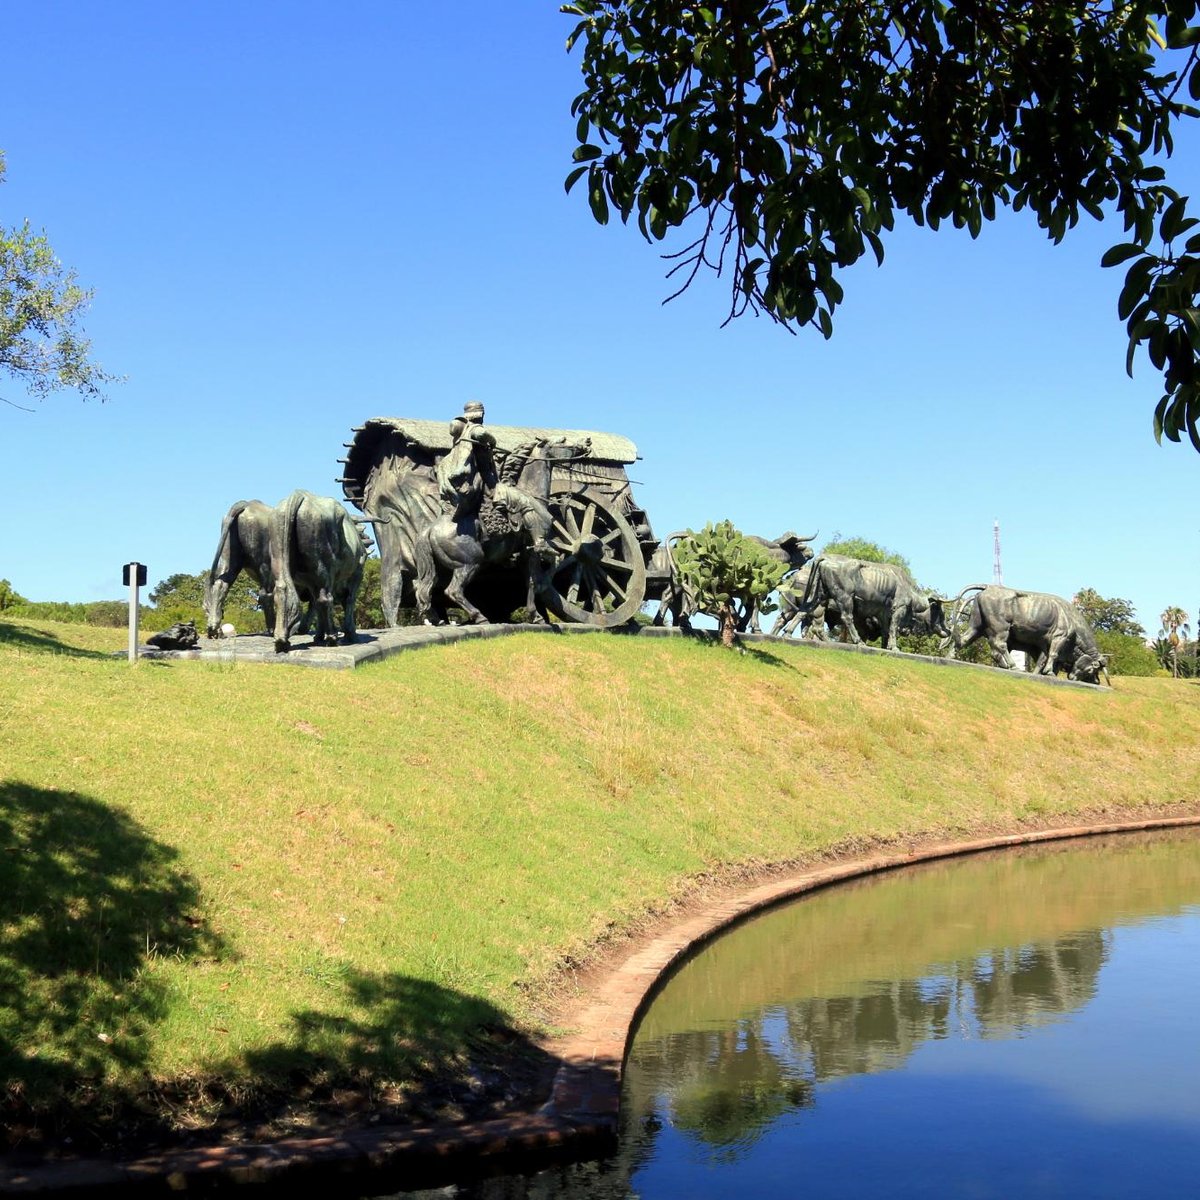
1173 620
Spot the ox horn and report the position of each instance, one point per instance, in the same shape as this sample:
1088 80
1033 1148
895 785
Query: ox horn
371 520
810 538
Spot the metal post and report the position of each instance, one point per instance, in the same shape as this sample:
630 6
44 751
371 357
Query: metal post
133 613
134 574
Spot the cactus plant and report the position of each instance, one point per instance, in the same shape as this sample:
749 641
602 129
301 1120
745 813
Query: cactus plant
727 569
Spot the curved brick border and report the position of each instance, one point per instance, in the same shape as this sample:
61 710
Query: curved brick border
581 1114
590 1078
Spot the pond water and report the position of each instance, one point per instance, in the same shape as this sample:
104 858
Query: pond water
1020 1023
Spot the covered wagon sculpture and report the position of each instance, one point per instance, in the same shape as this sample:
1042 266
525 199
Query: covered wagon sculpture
498 518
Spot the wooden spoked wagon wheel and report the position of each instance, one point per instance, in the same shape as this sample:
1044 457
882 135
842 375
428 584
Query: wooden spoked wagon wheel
599 573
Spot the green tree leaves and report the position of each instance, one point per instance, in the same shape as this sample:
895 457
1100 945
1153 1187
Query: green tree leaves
9 598
1108 616
1126 654
866 551
41 344
1174 633
787 137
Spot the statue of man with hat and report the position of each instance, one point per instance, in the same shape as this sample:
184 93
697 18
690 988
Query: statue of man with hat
467 474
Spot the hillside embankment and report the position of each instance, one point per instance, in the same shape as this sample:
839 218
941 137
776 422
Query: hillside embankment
243 901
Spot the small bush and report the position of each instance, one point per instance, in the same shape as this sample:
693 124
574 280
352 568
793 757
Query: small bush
112 614
51 610
9 598
1127 655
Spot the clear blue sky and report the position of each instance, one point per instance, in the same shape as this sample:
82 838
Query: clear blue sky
297 216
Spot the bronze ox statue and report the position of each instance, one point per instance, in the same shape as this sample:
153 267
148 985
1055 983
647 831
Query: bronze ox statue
1049 629
307 549
817 621
245 545
864 600
317 552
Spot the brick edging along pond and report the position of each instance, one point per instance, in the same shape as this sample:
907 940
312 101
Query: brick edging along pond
579 1119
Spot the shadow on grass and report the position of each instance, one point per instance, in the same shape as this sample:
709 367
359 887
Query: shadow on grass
767 659
93 906
90 903
399 1048
42 641
711 639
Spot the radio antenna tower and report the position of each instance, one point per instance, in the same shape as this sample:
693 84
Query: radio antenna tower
997 573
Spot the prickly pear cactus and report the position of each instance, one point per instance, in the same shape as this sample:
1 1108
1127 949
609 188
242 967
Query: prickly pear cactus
727 570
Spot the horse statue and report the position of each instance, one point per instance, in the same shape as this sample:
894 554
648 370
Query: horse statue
489 517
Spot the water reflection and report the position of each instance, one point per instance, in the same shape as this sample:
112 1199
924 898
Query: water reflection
933 1021
725 1086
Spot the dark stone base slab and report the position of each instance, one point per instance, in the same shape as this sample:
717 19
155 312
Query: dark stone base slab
374 644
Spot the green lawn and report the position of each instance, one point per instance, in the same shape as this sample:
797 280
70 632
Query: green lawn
226 885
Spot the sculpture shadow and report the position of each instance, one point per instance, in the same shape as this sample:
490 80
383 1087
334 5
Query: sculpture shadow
41 641
755 650
90 899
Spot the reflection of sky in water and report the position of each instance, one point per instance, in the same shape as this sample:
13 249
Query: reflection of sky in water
1061 1063
1099 1100
775 1031
1110 1059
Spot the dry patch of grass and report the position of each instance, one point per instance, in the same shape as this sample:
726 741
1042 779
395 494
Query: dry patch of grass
231 878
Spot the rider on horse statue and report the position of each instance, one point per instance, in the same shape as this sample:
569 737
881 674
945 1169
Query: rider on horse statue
467 474
486 516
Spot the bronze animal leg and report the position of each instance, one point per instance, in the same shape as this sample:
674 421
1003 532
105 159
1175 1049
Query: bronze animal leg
999 644
455 591
427 580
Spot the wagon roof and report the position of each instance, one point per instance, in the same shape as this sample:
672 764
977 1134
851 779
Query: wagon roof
435 436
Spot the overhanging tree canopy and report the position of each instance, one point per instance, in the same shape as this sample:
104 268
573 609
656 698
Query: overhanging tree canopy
788 135
41 344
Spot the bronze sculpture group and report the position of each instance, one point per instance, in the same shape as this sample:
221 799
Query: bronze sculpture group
501 519
511 523
865 601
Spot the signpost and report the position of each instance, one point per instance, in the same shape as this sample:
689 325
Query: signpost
134 576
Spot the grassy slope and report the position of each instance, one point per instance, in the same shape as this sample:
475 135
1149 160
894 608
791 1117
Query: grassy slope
220 871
